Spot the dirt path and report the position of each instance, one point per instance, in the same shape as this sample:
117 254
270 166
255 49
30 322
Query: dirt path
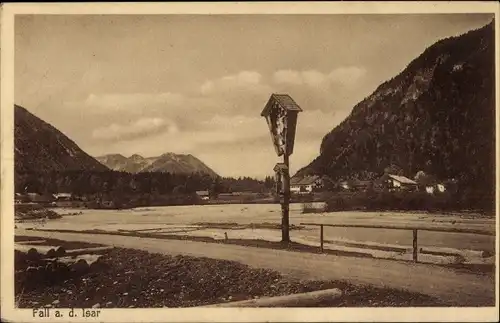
458 288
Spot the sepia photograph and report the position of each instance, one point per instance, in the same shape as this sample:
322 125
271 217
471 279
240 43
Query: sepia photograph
228 160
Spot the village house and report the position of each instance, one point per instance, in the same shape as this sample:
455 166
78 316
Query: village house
204 195
344 185
21 198
362 185
355 185
35 198
439 187
305 185
398 182
226 196
63 196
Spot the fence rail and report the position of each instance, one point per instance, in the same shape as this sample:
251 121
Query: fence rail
414 229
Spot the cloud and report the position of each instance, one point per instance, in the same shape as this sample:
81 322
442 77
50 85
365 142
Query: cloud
220 119
314 78
236 122
241 80
135 129
227 133
217 135
317 123
243 143
244 77
239 128
126 102
222 129
242 93
288 76
348 75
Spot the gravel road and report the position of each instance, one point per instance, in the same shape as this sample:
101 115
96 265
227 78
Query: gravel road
448 285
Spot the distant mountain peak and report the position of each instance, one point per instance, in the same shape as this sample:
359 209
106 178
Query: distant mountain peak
136 157
167 162
115 156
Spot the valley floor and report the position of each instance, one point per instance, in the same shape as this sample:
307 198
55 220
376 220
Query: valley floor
365 257
262 223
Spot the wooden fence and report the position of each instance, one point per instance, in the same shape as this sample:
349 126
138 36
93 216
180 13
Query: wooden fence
401 227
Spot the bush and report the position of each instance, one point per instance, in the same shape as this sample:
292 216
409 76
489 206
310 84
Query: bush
302 198
339 203
34 211
402 201
312 208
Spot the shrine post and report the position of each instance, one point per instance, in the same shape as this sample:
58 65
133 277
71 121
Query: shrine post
281 115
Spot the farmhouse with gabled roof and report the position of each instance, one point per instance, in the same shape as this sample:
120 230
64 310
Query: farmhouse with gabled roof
305 185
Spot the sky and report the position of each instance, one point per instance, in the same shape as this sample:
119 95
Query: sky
196 84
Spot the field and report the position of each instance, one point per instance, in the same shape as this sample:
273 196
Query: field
261 222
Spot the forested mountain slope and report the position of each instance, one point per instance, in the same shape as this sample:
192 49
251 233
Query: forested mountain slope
437 115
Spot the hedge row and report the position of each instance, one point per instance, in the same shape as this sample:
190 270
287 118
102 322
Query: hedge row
409 201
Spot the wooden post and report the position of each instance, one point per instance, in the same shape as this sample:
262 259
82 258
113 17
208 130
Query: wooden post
285 206
321 237
293 300
415 246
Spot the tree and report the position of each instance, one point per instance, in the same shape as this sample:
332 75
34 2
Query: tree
269 183
393 169
423 179
328 184
215 188
179 189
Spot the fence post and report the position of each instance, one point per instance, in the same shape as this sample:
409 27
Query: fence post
415 246
321 237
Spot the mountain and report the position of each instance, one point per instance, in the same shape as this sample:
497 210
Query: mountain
39 147
437 115
166 163
134 164
182 164
113 161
